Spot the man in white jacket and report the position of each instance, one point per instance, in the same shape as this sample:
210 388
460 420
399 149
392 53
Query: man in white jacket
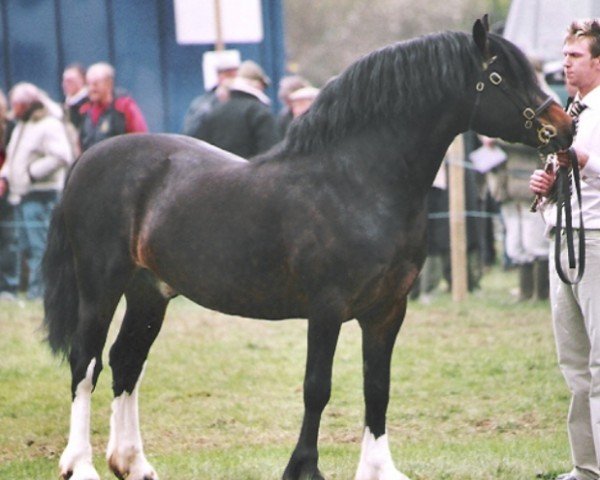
37 158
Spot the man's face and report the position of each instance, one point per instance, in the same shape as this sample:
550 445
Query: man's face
99 88
224 77
582 71
19 108
72 82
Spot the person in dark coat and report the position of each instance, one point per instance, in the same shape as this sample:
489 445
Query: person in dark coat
226 69
109 112
243 125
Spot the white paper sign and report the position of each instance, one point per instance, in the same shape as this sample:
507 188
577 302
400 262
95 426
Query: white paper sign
486 158
241 21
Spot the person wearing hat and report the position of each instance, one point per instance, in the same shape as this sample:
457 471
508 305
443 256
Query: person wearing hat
244 124
302 99
226 68
287 86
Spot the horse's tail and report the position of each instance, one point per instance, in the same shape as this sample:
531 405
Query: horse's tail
61 296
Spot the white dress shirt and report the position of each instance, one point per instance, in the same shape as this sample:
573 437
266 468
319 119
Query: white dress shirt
587 140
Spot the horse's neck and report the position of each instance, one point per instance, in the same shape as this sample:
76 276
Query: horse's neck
417 151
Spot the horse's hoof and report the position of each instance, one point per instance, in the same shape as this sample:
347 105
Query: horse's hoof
80 473
304 475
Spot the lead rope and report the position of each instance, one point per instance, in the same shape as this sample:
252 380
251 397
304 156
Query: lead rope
564 201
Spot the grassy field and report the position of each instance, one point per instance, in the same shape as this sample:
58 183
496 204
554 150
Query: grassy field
476 395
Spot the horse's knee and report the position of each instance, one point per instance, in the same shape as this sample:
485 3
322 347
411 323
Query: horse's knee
85 371
317 392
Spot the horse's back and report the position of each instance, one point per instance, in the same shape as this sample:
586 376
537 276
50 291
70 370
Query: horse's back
124 169
145 150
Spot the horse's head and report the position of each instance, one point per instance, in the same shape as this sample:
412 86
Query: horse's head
508 101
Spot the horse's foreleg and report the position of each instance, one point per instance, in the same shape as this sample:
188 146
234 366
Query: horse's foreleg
143 319
322 340
379 336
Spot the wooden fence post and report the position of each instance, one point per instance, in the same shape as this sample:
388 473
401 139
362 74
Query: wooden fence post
458 220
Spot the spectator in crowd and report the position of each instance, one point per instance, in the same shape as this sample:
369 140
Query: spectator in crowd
108 112
288 85
525 244
576 308
438 262
6 127
76 93
301 100
243 125
37 157
8 247
227 67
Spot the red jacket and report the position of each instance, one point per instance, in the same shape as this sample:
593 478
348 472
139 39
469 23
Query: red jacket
102 121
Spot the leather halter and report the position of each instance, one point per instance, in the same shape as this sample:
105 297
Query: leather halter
545 132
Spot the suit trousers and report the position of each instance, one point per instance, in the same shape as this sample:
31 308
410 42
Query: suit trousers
576 321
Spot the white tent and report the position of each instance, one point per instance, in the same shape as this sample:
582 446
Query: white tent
538 27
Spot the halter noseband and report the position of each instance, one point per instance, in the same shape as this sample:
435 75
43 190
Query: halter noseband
545 132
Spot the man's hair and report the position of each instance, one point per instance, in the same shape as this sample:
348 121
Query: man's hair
102 69
588 28
78 67
24 92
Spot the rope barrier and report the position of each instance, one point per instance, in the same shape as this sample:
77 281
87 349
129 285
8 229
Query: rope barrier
431 216
15 224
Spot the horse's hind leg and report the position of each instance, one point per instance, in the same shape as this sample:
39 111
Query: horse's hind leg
379 335
146 306
95 311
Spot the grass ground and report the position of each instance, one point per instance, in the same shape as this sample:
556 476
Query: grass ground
476 394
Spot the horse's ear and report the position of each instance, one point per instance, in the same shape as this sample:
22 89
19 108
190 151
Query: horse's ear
485 20
480 36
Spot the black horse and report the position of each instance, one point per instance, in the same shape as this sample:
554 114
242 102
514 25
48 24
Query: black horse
328 226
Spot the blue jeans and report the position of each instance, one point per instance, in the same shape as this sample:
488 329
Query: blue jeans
32 217
9 248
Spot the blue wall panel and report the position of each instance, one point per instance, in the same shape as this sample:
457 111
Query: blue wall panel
137 58
84 27
32 40
4 55
40 37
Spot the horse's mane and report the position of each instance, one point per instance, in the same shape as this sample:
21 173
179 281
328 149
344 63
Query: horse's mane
389 84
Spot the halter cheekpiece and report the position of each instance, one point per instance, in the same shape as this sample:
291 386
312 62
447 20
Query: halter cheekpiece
545 131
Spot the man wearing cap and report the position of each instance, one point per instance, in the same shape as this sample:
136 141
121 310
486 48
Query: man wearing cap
302 99
227 68
244 124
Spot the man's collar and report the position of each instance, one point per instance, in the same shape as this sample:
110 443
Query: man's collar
74 99
592 99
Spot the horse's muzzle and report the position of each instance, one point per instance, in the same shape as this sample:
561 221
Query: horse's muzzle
555 131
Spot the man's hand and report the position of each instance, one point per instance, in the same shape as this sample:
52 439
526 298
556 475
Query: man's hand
541 182
563 158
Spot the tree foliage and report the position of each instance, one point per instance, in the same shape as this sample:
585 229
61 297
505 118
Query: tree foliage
326 36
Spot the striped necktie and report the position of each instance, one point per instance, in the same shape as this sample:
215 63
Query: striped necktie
575 110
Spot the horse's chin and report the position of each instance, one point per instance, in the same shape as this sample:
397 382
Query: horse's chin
556 145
